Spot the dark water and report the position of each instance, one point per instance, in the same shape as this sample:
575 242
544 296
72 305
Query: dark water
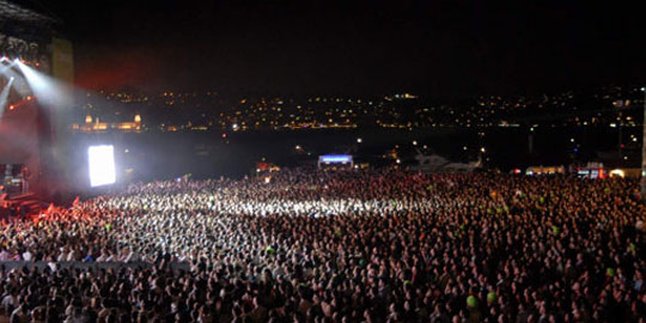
156 155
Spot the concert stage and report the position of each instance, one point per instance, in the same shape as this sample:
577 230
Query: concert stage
33 59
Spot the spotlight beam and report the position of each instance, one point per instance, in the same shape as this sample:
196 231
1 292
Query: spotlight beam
7 67
4 95
46 89
8 70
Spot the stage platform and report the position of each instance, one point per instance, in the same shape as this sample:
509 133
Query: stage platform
24 205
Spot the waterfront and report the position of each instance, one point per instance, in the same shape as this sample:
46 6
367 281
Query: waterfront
234 154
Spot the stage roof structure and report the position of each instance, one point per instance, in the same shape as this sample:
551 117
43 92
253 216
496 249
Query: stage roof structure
10 12
25 23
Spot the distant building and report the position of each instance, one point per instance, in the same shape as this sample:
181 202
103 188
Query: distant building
95 125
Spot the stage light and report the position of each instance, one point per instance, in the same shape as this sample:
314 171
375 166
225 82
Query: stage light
6 68
101 165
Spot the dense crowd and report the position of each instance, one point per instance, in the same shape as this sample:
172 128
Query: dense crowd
307 246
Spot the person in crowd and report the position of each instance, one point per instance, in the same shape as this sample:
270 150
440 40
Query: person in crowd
346 246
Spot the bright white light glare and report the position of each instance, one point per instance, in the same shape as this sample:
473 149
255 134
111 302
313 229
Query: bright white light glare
48 90
101 165
335 159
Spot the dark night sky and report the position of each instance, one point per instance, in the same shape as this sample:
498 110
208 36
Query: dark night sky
438 48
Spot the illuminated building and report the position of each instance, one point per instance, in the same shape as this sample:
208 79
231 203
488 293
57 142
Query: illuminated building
98 126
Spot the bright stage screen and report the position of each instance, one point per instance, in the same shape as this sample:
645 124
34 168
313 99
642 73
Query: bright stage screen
101 165
335 159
